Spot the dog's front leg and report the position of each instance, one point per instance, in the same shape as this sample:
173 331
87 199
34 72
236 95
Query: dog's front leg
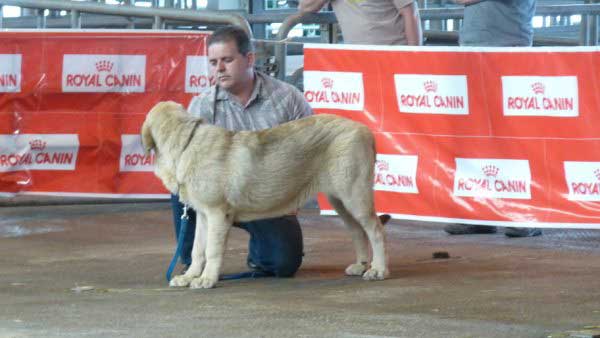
198 254
218 226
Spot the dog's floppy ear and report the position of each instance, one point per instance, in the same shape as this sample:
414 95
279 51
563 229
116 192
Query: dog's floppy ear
147 139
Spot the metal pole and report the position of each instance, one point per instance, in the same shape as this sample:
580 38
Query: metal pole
41 19
75 19
157 22
436 24
593 30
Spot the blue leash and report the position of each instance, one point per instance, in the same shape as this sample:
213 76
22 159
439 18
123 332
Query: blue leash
184 224
182 230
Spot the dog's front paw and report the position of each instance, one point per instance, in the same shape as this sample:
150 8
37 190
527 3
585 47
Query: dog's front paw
356 269
179 281
204 282
376 274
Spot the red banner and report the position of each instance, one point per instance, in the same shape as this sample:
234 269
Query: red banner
484 136
480 136
72 104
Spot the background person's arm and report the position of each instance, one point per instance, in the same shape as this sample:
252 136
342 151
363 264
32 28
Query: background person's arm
412 24
311 6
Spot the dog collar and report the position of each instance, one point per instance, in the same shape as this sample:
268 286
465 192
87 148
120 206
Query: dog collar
189 140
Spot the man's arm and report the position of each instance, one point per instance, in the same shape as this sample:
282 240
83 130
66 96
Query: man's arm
311 6
412 24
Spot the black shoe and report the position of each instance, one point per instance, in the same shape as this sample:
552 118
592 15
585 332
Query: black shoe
522 232
468 229
384 218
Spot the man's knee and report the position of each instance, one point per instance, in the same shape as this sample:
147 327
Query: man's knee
292 248
288 263
276 245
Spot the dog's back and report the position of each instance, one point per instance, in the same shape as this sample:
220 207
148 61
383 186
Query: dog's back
284 166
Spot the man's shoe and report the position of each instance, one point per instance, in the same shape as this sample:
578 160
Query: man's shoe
522 232
468 229
251 265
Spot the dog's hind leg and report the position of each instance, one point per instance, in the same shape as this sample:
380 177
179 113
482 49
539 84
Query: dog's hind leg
198 254
359 238
361 208
218 226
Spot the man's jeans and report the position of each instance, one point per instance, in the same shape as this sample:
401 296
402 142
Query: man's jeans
275 244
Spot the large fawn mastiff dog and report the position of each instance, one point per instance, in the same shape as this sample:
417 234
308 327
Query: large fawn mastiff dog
229 176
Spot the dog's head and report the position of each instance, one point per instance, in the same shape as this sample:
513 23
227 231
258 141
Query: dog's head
157 116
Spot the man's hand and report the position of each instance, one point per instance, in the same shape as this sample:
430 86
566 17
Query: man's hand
311 6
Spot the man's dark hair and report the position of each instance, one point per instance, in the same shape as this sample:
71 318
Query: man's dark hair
232 33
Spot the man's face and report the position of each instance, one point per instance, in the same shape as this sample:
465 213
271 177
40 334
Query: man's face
231 69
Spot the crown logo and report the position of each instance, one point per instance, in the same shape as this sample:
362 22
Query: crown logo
382 165
597 174
327 82
490 170
430 86
538 88
37 144
104 66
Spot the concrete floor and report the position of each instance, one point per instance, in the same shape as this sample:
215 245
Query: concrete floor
491 286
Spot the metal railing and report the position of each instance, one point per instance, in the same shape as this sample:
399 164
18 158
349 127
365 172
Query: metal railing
159 15
588 35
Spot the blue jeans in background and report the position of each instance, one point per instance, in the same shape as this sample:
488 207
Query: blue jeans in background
275 244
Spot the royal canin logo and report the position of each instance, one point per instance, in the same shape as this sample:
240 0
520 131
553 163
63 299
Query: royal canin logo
382 165
432 94
133 157
501 178
430 86
597 174
583 180
10 73
538 88
104 66
396 173
327 82
47 152
490 170
37 144
540 96
334 90
104 73
197 74
9 80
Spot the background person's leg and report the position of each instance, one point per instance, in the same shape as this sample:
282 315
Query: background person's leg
177 207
